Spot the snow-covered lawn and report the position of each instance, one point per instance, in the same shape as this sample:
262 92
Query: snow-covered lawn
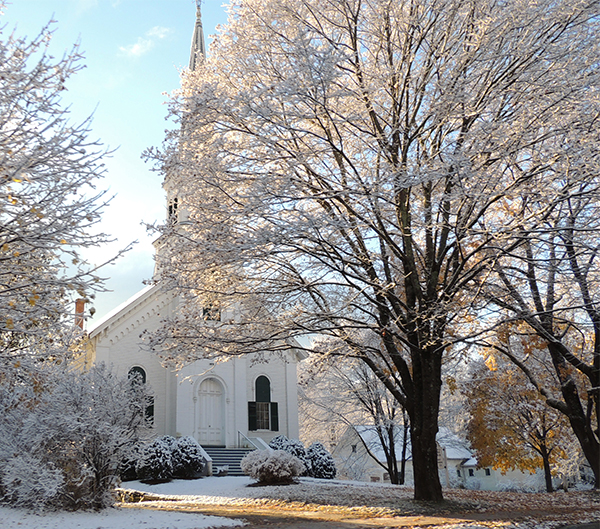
211 489
366 499
111 519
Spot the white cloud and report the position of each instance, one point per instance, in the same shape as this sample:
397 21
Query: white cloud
146 43
158 32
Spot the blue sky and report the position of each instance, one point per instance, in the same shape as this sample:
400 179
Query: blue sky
133 53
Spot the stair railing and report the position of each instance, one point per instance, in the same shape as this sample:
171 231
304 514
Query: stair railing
248 443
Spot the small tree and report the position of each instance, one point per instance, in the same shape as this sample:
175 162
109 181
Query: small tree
322 464
511 426
66 433
188 458
340 391
294 447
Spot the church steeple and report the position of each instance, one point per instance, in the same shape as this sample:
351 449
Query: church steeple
198 51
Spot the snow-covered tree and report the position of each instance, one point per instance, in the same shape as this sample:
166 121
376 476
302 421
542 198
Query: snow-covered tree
294 447
547 292
336 393
49 204
321 462
156 461
352 165
188 458
64 433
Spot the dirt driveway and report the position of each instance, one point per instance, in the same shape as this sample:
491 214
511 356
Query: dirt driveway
290 515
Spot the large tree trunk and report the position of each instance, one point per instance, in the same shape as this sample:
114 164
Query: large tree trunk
423 413
581 425
588 442
425 463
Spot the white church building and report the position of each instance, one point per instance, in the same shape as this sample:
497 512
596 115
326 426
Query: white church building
219 404
227 404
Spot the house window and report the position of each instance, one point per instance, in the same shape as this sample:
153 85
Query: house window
137 375
262 413
375 479
458 472
471 472
488 472
386 476
354 449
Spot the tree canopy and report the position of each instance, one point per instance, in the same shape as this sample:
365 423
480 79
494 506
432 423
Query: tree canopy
49 204
353 168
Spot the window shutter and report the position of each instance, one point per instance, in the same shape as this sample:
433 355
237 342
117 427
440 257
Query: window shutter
252 416
274 417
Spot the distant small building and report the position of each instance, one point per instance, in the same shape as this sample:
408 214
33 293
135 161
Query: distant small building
486 478
359 456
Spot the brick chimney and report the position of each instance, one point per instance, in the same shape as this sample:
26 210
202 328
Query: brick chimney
79 311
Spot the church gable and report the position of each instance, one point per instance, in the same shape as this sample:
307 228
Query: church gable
142 311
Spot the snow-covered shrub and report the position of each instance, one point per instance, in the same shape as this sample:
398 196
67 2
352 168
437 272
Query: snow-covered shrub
127 470
156 462
26 483
188 458
294 447
322 464
65 433
271 466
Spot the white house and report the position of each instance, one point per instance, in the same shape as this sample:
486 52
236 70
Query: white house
359 456
228 404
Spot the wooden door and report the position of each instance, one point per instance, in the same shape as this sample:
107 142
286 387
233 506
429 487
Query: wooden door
211 428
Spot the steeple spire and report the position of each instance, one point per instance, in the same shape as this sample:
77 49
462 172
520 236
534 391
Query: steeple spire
198 51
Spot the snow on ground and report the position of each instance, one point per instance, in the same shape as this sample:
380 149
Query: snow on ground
129 518
377 499
111 519
211 490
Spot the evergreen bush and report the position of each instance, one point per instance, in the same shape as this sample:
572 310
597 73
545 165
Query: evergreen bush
295 448
156 463
188 458
322 464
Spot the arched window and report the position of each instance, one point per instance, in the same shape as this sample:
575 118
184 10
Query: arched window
262 413
137 375
263 389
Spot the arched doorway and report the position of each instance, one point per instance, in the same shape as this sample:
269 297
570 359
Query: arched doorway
210 423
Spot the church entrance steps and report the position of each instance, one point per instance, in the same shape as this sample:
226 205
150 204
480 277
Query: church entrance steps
231 457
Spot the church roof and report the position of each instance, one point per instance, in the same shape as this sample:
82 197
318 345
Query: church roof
124 308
